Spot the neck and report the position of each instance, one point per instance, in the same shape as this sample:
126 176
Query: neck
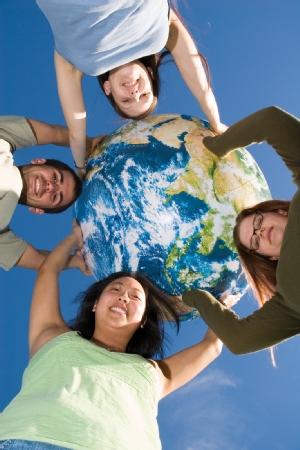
104 345
111 343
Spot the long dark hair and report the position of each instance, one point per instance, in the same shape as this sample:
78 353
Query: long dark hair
146 341
260 270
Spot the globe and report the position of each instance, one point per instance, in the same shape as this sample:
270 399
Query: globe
156 201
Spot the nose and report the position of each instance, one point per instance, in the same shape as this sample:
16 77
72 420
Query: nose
123 298
135 93
51 186
261 232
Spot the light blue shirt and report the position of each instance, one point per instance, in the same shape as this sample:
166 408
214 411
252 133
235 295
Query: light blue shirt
96 36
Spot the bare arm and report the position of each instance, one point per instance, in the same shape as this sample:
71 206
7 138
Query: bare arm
49 134
179 369
59 135
70 93
33 259
46 321
184 51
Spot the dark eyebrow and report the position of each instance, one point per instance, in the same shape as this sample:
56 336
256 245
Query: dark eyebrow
61 177
120 282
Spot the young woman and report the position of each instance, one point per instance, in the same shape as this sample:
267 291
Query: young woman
120 42
267 238
91 385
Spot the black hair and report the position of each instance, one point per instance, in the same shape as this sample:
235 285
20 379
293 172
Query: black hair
146 341
56 164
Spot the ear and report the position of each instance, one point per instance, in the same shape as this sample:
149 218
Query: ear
274 258
143 323
38 161
282 211
106 87
94 307
36 210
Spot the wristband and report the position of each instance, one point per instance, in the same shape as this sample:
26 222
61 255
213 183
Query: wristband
81 168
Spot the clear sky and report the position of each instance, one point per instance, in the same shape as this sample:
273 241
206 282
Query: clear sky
253 50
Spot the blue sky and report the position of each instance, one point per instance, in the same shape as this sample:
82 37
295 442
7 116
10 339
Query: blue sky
253 49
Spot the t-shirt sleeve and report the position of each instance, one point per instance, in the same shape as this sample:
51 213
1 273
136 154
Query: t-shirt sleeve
269 325
11 249
17 131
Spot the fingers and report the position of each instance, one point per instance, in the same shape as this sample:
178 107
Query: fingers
202 134
229 300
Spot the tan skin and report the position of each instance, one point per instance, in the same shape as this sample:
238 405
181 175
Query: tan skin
51 187
119 312
134 86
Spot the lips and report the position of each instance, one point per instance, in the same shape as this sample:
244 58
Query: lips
269 234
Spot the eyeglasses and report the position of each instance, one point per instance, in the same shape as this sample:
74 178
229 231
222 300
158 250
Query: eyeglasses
257 223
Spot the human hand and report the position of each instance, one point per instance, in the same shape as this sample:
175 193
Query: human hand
202 134
92 143
81 173
229 299
219 128
77 261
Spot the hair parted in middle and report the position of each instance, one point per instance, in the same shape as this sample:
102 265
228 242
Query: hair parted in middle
260 270
146 341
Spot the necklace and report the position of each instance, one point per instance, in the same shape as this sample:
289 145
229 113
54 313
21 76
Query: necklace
110 349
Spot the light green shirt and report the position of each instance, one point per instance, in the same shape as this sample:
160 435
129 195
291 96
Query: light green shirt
80 396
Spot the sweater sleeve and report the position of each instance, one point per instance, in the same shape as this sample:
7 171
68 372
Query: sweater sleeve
278 128
270 325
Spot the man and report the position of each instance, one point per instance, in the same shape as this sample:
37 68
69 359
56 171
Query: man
46 186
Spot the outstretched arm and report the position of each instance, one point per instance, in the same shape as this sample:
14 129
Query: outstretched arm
33 259
268 326
70 93
179 369
278 128
46 321
184 51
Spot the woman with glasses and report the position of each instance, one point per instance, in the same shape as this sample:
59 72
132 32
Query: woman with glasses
267 237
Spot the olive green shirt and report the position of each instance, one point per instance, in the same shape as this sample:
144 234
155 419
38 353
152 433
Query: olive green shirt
279 318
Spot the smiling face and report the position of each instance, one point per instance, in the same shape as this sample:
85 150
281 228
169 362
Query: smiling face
270 233
131 87
46 187
121 304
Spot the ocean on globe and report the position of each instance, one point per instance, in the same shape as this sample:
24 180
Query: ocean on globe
156 201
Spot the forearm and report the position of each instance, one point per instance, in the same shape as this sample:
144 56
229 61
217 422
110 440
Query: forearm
59 258
49 134
71 98
267 326
273 125
185 53
32 258
182 367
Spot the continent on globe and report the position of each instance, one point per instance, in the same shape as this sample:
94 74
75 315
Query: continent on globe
156 201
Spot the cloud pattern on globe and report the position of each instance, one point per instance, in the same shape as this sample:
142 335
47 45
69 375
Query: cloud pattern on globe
156 201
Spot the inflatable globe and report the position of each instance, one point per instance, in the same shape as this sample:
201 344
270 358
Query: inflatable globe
156 201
